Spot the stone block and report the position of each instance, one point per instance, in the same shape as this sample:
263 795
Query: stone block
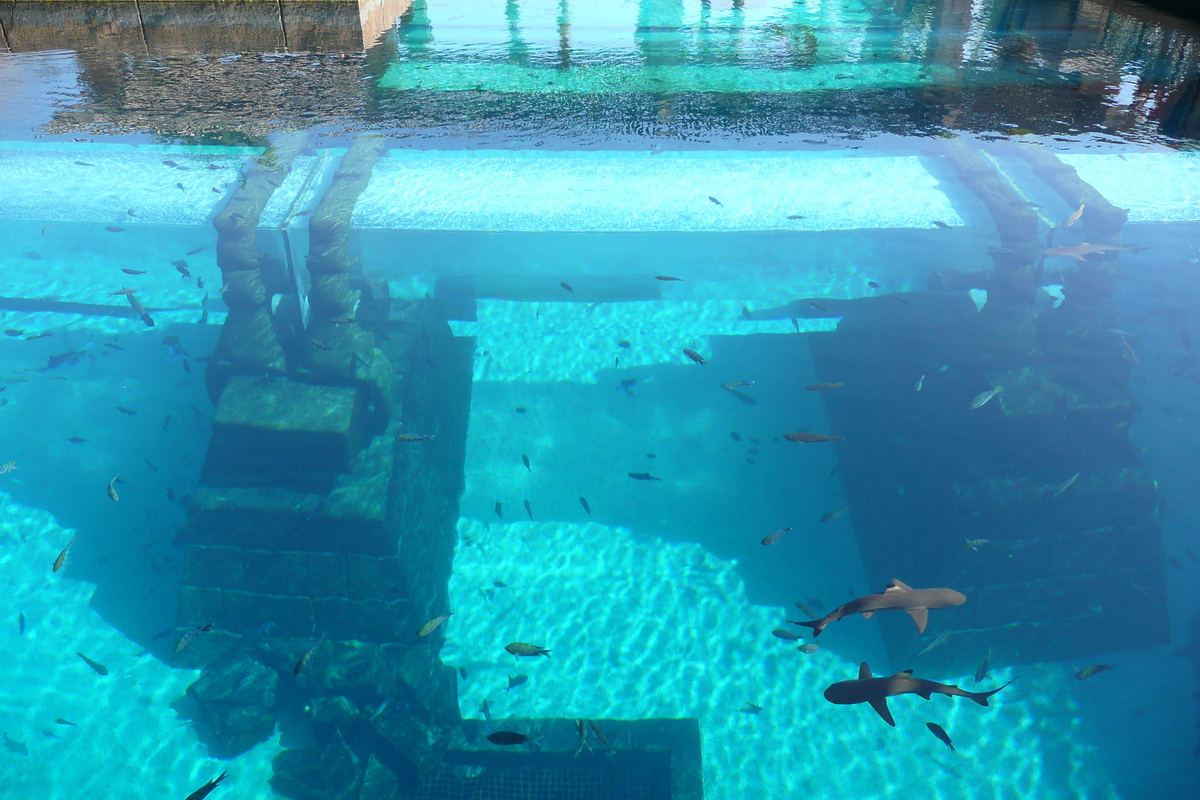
376 577
200 605
219 567
293 616
325 772
275 432
295 573
263 518
372 620
379 782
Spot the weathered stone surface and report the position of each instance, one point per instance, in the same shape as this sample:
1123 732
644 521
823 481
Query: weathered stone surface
202 650
199 605
293 616
363 671
329 714
259 517
379 782
295 573
280 425
434 684
375 577
325 772
374 620
236 678
411 741
235 696
219 567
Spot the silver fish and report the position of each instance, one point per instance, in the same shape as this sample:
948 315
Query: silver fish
982 398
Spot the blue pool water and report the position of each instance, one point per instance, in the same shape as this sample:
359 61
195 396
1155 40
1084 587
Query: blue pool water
354 353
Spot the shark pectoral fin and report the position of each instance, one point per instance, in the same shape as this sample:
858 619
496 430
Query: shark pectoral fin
867 614
897 586
920 616
864 672
881 708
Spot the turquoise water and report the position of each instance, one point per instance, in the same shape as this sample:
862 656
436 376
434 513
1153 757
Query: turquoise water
504 311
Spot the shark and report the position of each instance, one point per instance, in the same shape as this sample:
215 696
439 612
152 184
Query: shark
897 595
869 689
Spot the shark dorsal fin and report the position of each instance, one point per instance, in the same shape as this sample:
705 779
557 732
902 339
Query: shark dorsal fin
864 671
919 616
897 586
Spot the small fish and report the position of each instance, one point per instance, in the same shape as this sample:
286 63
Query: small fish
319 344
529 510
982 670
462 673
797 216
7 468
515 681
694 356
821 387
666 278
599 734
186 639
206 789
737 437
567 286
751 708
808 438
715 200
500 584
1068 222
807 609
736 384
130 212
1088 672
940 224
179 186
341 321
975 544
432 625
940 640
583 502
525 461
982 398
920 383
194 251
521 649
832 514
809 649
114 229
581 729
940 733
113 346
112 489
643 476
625 384
182 268
14 332
774 536
199 283
499 510
625 344
819 306
171 164
125 410
414 437
13 746
21 623
98 667
1130 356
150 464
303 662
62 557
874 285
171 340
1062 487
61 721
507 738
787 636
84 164
166 422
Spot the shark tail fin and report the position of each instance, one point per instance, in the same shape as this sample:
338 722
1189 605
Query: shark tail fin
817 625
982 697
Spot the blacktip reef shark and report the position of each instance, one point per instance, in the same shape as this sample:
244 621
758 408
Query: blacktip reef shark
916 602
869 689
